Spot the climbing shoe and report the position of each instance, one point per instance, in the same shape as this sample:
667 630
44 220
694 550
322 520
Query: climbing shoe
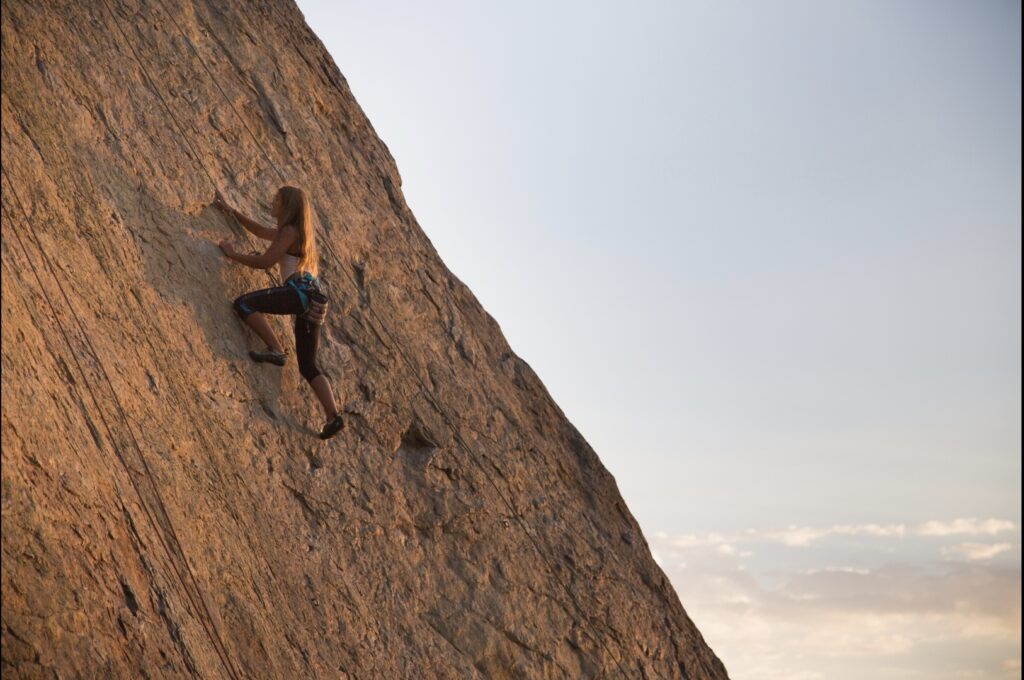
269 356
332 427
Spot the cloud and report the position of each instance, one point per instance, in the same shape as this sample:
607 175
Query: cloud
730 549
976 551
887 608
693 540
802 536
971 526
798 537
886 622
838 570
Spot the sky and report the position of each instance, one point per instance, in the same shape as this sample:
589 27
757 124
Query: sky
767 259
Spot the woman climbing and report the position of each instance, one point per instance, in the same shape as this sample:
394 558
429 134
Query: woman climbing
293 248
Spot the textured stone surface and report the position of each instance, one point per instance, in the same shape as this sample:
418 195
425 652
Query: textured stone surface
167 511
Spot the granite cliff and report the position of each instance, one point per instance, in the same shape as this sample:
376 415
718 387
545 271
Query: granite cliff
167 511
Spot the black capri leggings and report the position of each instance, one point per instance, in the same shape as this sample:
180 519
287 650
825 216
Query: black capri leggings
286 300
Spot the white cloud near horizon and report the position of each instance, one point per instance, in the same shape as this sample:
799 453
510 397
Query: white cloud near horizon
976 551
901 613
796 536
966 526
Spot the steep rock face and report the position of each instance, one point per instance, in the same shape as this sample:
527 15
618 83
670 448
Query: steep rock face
167 511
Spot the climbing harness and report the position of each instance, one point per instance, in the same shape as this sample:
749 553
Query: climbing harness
311 292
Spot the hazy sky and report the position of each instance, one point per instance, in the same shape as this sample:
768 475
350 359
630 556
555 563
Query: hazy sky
766 257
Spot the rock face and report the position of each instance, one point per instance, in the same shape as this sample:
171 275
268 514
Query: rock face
167 509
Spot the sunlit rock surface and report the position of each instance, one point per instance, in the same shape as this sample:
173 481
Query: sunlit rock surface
167 509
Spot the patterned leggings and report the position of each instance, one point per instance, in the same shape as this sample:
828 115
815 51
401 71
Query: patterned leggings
286 300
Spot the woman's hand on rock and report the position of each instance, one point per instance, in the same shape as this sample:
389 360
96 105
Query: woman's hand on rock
225 247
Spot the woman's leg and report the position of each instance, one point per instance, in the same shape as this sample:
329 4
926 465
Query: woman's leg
307 341
251 307
323 392
259 323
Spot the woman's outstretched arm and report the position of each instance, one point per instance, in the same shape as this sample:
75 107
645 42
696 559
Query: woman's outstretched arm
252 226
284 237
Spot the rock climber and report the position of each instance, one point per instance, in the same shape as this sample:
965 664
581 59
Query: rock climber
293 249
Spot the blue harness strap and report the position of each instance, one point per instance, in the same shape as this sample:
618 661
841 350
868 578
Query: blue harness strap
311 293
302 294
304 283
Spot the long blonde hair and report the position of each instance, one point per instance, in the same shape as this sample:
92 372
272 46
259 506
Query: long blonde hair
297 212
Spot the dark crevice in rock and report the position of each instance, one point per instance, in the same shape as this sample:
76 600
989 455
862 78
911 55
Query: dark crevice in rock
129 598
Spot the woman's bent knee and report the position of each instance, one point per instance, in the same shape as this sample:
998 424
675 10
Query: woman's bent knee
241 309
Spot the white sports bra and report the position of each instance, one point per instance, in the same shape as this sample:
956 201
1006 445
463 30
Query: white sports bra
288 265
